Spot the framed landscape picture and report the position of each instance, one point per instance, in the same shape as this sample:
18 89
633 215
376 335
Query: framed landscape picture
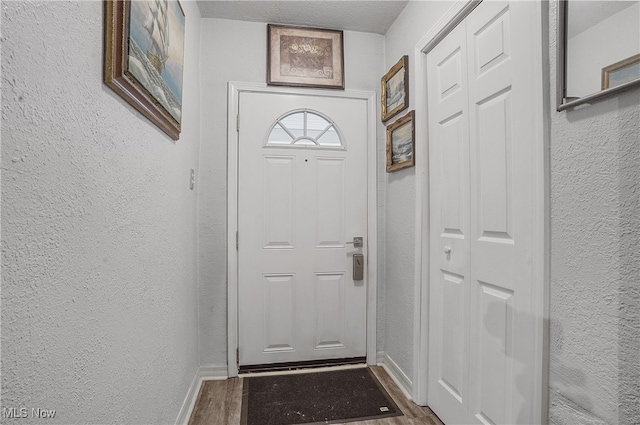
144 58
401 143
621 72
395 89
305 57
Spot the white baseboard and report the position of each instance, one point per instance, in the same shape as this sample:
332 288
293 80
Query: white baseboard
399 377
207 372
213 372
189 401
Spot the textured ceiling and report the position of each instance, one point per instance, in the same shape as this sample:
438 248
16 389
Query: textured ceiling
361 15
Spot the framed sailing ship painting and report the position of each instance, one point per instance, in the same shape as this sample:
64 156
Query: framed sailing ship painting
144 58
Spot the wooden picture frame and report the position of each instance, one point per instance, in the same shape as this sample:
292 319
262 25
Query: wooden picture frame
140 65
305 57
395 89
401 143
621 72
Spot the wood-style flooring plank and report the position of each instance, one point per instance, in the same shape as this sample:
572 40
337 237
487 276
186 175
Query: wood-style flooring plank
220 403
408 407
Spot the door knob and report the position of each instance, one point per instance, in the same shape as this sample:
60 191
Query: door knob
357 242
447 250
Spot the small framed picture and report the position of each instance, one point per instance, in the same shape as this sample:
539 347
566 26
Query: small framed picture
621 72
395 89
401 143
305 57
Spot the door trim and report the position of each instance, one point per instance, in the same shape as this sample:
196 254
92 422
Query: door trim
541 258
234 89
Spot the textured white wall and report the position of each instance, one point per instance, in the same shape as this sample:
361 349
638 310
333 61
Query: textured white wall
236 51
595 259
99 295
399 233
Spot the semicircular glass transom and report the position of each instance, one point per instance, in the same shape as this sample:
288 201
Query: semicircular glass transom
304 128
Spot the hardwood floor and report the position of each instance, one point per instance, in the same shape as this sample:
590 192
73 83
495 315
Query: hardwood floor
220 403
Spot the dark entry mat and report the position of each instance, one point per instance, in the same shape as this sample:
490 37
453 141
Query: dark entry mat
322 397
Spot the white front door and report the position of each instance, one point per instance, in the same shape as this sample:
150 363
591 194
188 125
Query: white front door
483 106
302 196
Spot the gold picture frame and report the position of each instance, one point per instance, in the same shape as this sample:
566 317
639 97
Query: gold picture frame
305 57
395 89
621 72
401 143
137 54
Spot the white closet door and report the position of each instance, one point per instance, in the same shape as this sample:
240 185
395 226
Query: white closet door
449 188
483 112
502 141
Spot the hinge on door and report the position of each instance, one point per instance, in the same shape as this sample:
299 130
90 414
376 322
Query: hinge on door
238 356
237 240
238 122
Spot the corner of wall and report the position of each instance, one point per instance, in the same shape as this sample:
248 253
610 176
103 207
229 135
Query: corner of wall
208 372
399 377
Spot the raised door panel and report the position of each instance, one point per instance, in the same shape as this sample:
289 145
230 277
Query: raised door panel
279 312
279 188
493 371
453 343
453 169
329 211
329 310
494 169
492 41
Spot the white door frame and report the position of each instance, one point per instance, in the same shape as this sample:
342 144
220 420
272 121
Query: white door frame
458 12
234 90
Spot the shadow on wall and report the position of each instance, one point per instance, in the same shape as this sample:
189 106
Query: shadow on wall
629 291
568 386
497 311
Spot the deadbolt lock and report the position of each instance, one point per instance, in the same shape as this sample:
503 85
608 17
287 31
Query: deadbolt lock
358 266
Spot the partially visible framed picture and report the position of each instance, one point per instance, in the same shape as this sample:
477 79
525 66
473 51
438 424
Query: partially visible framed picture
395 89
144 58
621 72
305 57
401 143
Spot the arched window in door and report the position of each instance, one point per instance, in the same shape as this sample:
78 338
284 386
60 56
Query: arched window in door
304 127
